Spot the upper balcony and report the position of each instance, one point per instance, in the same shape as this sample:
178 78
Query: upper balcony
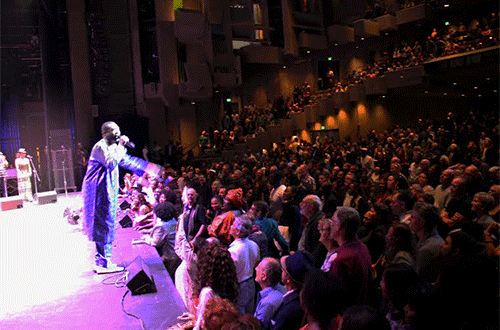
312 41
199 82
414 14
260 54
340 34
190 26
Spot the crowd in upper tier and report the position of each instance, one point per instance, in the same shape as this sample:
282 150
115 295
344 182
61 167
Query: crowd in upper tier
397 231
452 39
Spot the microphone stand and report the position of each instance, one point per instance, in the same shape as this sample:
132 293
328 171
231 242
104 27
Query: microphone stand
64 172
35 173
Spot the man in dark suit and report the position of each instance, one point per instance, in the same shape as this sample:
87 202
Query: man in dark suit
289 315
194 219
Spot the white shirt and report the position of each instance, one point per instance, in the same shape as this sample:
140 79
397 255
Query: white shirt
245 254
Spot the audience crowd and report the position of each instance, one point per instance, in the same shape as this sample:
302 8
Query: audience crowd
397 231
454 38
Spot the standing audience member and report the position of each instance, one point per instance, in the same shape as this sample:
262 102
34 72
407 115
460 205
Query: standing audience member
322 298
162 236
268 275
442 192
402 204
194 217
424 219
269 227
289 315
310 208
216 277
245 254
353 262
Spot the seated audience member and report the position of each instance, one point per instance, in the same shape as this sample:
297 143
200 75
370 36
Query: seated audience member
233 202
353 262
424 220
481 204
363 317
216 277
269 227
218 312
289 315
322 299
162 236
245 254
268 275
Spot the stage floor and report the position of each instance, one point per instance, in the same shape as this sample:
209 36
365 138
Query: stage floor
47 282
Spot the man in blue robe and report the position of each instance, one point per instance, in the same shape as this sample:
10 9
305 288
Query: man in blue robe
100 191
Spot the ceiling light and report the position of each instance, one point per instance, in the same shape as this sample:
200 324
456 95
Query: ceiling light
193 103
454 84
463 94
475 87
445 93
446 5
479 95
308 52
426 92
362 38
284 66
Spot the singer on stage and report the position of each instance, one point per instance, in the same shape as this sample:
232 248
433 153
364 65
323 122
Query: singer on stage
100 191
24 173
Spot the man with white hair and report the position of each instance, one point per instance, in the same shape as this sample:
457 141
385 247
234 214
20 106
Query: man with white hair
245 254
310 208
268 275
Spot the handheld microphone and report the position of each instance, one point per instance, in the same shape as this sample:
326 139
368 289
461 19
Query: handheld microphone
129 143
29 156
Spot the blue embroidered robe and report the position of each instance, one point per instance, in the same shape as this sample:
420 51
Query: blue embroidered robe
100 188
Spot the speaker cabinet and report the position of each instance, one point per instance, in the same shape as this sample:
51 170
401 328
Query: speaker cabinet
140 279
47 197
11 203
126 221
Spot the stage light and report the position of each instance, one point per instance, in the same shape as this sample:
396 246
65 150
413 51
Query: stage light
193 103
322 127
308 52
446 5
228 100
446 23
454 84
329 58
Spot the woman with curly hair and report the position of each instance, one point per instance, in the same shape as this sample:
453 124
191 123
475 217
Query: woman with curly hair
216 278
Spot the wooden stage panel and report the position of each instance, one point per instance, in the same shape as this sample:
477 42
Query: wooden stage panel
48 282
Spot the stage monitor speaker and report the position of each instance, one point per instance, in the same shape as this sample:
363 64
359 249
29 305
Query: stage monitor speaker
126 221
124 205
140 279
11 203
47 197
